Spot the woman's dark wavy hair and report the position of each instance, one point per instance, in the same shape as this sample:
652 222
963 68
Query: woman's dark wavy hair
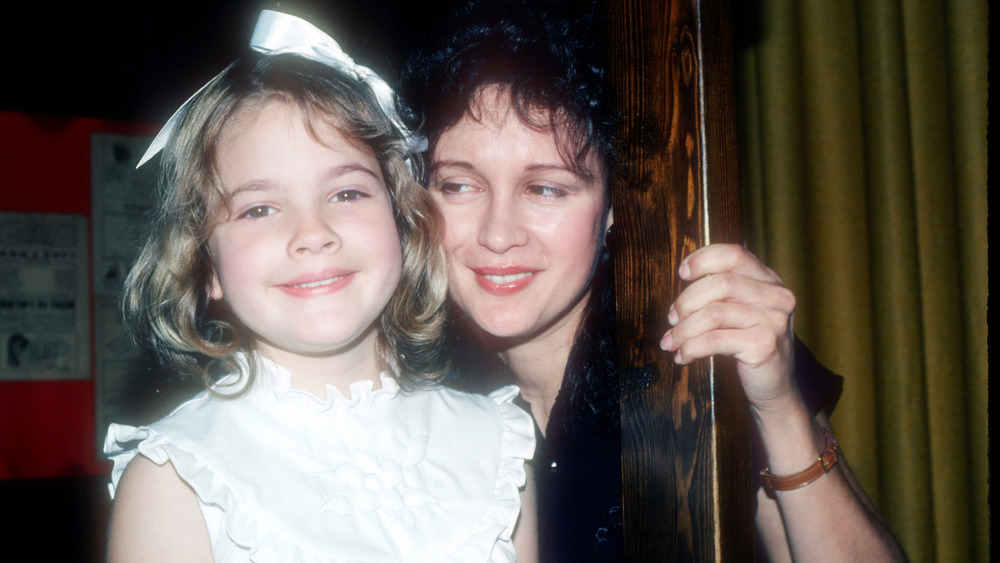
547 56
550 59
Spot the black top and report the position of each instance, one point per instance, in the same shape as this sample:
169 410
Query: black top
579 490
578 462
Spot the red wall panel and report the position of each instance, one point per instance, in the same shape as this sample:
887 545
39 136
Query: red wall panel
47 427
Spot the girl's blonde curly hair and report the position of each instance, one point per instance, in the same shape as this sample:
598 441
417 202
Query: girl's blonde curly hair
165 303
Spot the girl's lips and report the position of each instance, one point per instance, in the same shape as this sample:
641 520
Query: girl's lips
503 281
316 284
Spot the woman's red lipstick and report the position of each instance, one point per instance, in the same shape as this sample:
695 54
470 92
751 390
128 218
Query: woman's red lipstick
503 281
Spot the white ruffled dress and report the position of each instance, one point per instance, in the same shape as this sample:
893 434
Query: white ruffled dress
281 475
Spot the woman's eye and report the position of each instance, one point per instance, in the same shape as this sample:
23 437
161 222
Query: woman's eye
545 191
349 194
257 211
455 187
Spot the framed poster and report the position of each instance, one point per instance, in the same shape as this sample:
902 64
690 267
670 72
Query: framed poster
44 297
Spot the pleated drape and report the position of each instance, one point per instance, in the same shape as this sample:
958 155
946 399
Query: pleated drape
864 156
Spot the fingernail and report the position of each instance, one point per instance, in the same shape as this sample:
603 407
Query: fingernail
672 316
684 271
667 343
678 359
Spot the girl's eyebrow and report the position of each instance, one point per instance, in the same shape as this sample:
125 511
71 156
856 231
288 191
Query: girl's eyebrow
344 169
247 187
332 173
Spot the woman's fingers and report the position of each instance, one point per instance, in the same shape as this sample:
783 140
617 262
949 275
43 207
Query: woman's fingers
748 333
735 306
719 258
731 288
761 354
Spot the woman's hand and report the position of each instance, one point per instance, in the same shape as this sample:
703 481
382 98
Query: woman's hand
736 306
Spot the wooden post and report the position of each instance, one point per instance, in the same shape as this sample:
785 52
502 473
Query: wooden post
686 449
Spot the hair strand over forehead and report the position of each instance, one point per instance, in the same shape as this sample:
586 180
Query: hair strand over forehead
549 58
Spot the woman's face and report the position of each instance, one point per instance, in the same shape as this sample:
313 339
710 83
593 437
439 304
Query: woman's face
521 229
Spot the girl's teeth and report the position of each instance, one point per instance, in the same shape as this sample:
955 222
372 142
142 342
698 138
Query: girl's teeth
318 283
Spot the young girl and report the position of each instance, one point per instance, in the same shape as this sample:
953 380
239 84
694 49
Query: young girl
294 253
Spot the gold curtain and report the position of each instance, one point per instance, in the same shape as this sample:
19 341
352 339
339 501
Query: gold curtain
863 127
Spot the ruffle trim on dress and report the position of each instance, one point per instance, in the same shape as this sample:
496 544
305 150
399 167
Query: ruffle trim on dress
123 443
277 381
498 522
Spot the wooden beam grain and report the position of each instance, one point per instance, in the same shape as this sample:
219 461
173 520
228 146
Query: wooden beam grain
686 449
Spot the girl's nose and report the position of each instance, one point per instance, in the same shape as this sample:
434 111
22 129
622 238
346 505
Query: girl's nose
312 234
501 225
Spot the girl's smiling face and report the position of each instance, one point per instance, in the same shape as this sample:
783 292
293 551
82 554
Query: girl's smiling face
521 228
307 254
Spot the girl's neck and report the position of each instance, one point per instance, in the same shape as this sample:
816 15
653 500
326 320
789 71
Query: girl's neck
539 362
312 373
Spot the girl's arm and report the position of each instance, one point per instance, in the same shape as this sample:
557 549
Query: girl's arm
736 306
526 532
155 517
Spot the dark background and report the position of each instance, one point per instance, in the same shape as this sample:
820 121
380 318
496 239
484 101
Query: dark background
137 61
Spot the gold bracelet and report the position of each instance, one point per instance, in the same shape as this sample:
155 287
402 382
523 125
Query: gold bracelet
827 459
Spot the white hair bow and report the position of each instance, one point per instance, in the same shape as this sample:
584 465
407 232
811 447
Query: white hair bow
277 33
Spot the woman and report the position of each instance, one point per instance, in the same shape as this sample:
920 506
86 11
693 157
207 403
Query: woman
520 153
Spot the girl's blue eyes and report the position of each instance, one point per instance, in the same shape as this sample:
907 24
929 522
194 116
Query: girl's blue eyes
348 195
343 196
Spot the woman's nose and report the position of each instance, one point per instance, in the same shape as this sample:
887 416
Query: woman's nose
502 226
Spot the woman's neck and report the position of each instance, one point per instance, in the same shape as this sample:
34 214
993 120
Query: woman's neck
539 362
